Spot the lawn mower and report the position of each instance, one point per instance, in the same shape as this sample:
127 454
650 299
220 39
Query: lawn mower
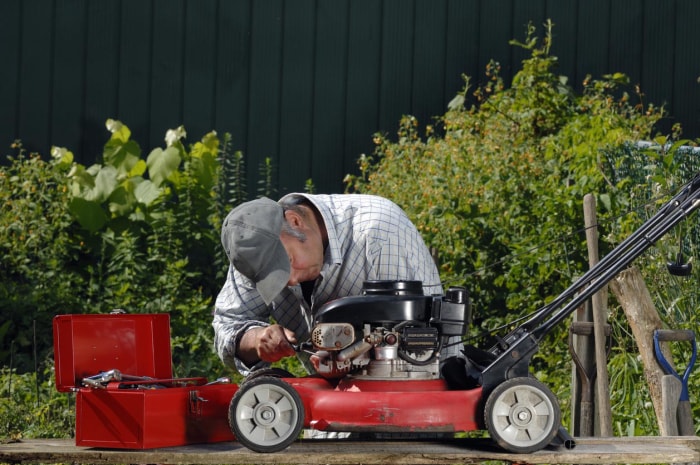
379 370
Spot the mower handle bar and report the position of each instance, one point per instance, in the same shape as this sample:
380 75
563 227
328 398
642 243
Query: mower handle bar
683 204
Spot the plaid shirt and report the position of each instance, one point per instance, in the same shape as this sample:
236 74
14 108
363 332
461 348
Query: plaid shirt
369 238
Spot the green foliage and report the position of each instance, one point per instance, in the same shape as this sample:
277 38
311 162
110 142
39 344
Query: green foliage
138 232
231 189
131 232
650 174
155 247
497 188
38 277
32 408
630 399
265 183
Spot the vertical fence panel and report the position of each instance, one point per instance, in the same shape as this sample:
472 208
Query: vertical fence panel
198 67
461 46
67 99
429 60
526 14
625 48
166 68
297 95
330 82
35 74
686 73
496 29
10 55
564 44
659 46
592 38
265 86
134 98
363 80
101 73
396 62
232 71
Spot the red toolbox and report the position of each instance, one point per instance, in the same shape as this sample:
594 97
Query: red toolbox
120 367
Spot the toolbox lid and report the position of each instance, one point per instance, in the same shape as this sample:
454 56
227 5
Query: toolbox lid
86 345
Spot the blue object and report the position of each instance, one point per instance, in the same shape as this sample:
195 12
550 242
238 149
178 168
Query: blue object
680 335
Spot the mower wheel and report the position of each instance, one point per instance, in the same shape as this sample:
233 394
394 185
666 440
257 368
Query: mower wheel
266 414
522 415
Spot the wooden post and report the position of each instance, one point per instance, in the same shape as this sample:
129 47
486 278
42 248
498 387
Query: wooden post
583 376
634 298
670 393
599 305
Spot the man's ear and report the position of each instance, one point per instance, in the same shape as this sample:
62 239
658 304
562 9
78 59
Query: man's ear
294 219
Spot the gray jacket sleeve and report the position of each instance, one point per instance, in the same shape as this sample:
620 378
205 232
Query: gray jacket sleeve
238 308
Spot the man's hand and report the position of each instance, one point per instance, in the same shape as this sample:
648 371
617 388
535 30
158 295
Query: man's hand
269 344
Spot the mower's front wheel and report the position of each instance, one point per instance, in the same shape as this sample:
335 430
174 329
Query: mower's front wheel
266 414
522 415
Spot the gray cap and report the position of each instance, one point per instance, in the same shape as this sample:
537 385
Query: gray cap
251 238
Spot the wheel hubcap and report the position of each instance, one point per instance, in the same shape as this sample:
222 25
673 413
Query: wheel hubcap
265 414
521 415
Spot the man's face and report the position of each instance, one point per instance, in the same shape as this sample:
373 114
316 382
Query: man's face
305 258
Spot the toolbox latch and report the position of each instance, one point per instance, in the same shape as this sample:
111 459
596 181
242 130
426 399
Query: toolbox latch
196 403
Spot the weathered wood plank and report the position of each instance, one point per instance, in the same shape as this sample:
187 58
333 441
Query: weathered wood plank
639 450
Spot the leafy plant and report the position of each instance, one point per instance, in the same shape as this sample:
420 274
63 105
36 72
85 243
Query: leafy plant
38 277
152 229
30 408
496 186
135 233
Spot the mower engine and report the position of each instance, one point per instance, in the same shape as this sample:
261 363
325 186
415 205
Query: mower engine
391 331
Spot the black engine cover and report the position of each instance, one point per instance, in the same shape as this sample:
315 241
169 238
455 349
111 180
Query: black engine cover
388 303
378 309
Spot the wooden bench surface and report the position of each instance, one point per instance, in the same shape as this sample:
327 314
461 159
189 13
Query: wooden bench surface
635 450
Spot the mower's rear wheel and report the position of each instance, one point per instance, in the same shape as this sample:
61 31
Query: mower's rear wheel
522 415
266 414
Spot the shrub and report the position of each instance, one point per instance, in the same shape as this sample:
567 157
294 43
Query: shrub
38 276
151 232
31 408
128 232
496 188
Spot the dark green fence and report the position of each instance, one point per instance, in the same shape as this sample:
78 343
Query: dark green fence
306 82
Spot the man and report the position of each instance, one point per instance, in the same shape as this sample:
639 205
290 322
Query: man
288 258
